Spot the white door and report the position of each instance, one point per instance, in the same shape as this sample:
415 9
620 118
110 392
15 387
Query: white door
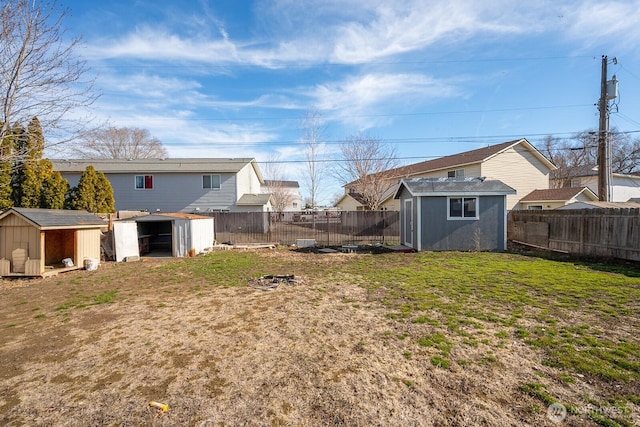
407 224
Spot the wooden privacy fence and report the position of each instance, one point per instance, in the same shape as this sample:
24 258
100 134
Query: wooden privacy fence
611 233
326 228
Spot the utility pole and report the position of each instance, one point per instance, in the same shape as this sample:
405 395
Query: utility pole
604 162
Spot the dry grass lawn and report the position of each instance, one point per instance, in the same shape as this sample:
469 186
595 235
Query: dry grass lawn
95 347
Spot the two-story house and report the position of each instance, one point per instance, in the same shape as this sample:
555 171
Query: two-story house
178 185
517 164
286 195
622 187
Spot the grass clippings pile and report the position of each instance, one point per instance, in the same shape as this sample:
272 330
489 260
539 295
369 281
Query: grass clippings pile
422 339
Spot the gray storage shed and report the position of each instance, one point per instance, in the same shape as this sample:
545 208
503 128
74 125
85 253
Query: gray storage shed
464 214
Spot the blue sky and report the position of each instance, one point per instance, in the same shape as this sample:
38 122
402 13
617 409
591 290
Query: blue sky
234 78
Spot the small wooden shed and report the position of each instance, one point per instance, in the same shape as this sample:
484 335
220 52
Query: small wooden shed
464 214
43 242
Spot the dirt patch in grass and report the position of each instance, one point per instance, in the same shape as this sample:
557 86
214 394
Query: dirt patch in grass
328 351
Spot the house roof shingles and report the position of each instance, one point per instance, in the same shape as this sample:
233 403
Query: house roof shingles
254 199
208 165
558 194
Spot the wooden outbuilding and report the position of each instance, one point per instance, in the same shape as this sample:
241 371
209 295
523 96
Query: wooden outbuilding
43 242
453 214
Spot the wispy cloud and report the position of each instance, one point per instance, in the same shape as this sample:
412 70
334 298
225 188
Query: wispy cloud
600 22
357 97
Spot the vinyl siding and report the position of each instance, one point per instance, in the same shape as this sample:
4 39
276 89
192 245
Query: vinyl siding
472 170
171 192
520 169
247 182
437 233
622 188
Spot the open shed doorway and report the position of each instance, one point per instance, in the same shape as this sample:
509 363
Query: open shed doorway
155 237
58 245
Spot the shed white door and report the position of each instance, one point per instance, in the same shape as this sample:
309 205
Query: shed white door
125 236
407 223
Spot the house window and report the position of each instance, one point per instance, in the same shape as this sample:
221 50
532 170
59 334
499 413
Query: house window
463 208
458 173
144 182
575 182
534 207
211 181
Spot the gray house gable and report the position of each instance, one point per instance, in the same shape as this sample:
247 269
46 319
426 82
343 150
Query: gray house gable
172 185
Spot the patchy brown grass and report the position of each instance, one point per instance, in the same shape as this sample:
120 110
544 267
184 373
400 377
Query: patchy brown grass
93 348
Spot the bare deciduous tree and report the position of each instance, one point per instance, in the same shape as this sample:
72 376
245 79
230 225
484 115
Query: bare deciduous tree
313 129
120 143
365 165
40 76
275 183
582 151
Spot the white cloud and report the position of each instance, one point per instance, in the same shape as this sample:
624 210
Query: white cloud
598 22
370 93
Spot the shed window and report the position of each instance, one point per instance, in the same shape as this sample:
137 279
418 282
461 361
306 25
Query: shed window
144 182
463 208
534 207
211 181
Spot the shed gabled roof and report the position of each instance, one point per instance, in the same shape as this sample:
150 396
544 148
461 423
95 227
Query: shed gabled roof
453 187
558 194
48 219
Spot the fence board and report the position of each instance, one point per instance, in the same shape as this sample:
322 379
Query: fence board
326 228
611 233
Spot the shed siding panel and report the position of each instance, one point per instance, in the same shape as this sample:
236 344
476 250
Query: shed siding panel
87 245
519 169
486 233
25 237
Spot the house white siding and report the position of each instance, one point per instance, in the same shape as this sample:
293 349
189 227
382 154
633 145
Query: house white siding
520 169
247 182
622 189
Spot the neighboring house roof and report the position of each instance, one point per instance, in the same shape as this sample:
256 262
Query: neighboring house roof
600 205
207 165
465 158
453 187
56 218
254 199
558 194
277 183
583 171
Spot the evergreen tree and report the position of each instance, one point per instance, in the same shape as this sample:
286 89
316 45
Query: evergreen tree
54 186
35 140
6 172
93 193
104 195
30 186
85 195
